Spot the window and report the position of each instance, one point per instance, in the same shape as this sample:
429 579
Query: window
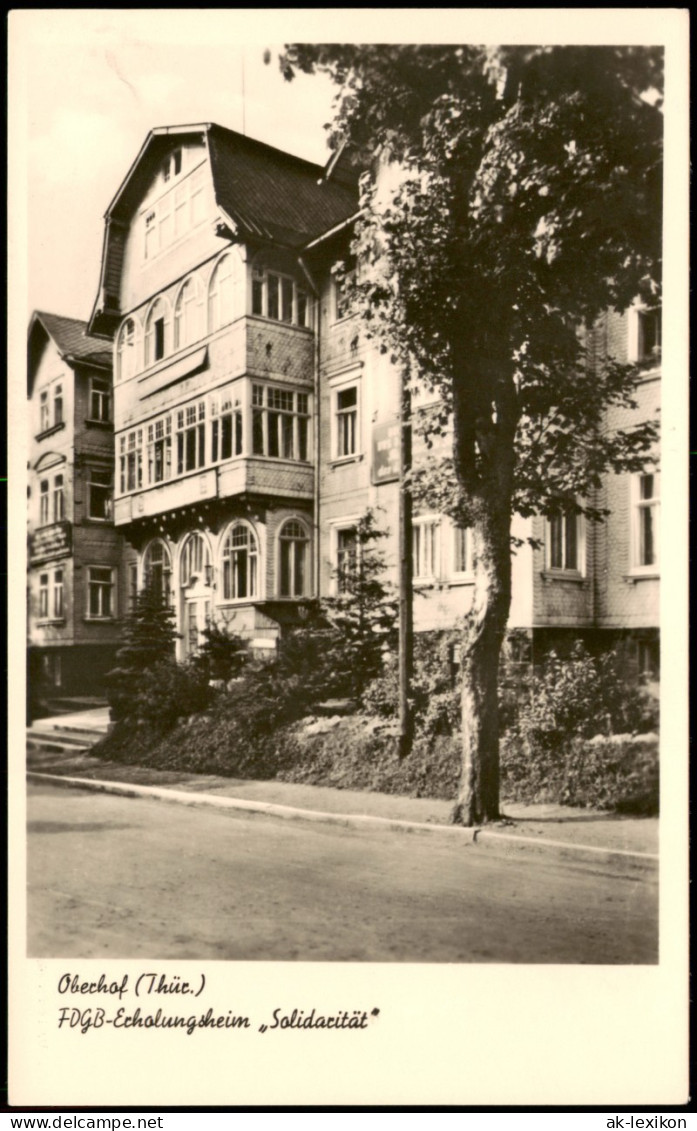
43 595
346 558
58 499
126 351
239 559
280 423
100 399
462 561
172 165
226 426
99 494
132 579
293 543
221 294
160 450
426 548
131 461
278 296
646 522
191 437
649 659
156 333
43 502
58 404
649 335
188 315
563 540
44 418
346 422
195 557
100 592
341 303
157 570
58 594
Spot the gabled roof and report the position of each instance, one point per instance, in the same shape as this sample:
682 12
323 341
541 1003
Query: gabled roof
71 339
266 194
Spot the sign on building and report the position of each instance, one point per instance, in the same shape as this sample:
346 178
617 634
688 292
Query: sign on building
386 456
50 542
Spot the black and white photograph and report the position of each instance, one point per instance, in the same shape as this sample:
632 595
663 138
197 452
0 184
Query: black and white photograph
348 426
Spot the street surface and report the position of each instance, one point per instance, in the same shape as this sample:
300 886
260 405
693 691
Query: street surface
119 877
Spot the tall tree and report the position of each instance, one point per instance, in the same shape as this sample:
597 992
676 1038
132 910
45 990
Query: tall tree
512 194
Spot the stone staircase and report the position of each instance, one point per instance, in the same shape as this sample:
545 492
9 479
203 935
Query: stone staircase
68 733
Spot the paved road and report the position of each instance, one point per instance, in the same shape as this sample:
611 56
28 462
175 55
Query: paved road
120 877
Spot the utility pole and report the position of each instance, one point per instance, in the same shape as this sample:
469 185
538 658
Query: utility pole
406 573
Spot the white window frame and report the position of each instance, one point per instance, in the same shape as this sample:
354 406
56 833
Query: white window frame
44 595
99 396
336 526
113 590
579 570
223 293
420 523
58 587
44 411
635 349
189 565
159 303
130 452
126 360
108 517
44 502
58 405
58 497
637 504
306 540
188 320
336 387
282 413
166 567
454 574
260 274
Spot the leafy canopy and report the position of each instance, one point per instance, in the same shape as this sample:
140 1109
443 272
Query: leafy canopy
512 195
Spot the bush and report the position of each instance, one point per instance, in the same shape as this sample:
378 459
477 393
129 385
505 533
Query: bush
618 773
580 697
222 655
168 692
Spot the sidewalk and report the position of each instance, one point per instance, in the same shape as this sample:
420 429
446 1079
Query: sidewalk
523 826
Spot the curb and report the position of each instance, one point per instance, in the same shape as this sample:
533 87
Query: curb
483 838
268 808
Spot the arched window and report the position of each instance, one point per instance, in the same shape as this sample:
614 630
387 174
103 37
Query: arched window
188 323
221 294
293 556
239 560
156 333
157 570
195 557
126 351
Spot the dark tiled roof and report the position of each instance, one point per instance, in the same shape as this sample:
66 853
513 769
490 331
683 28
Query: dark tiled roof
271 193
72 339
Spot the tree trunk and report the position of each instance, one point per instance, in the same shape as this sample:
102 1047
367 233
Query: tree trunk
478 796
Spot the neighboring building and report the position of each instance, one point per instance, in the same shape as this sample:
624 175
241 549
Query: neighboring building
255 424
74 599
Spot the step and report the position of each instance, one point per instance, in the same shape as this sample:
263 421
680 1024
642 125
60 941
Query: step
47 745
68 741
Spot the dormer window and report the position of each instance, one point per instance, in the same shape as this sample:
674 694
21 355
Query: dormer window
278 296
172 166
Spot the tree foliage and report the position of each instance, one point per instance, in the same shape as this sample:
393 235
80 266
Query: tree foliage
511 195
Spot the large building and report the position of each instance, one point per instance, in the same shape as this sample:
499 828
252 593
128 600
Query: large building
73 585
254 424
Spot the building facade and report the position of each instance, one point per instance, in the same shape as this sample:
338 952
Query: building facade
74 557
254 424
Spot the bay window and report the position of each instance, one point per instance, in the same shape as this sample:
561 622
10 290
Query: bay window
160 450
226 426
280 423
279 296
191 437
